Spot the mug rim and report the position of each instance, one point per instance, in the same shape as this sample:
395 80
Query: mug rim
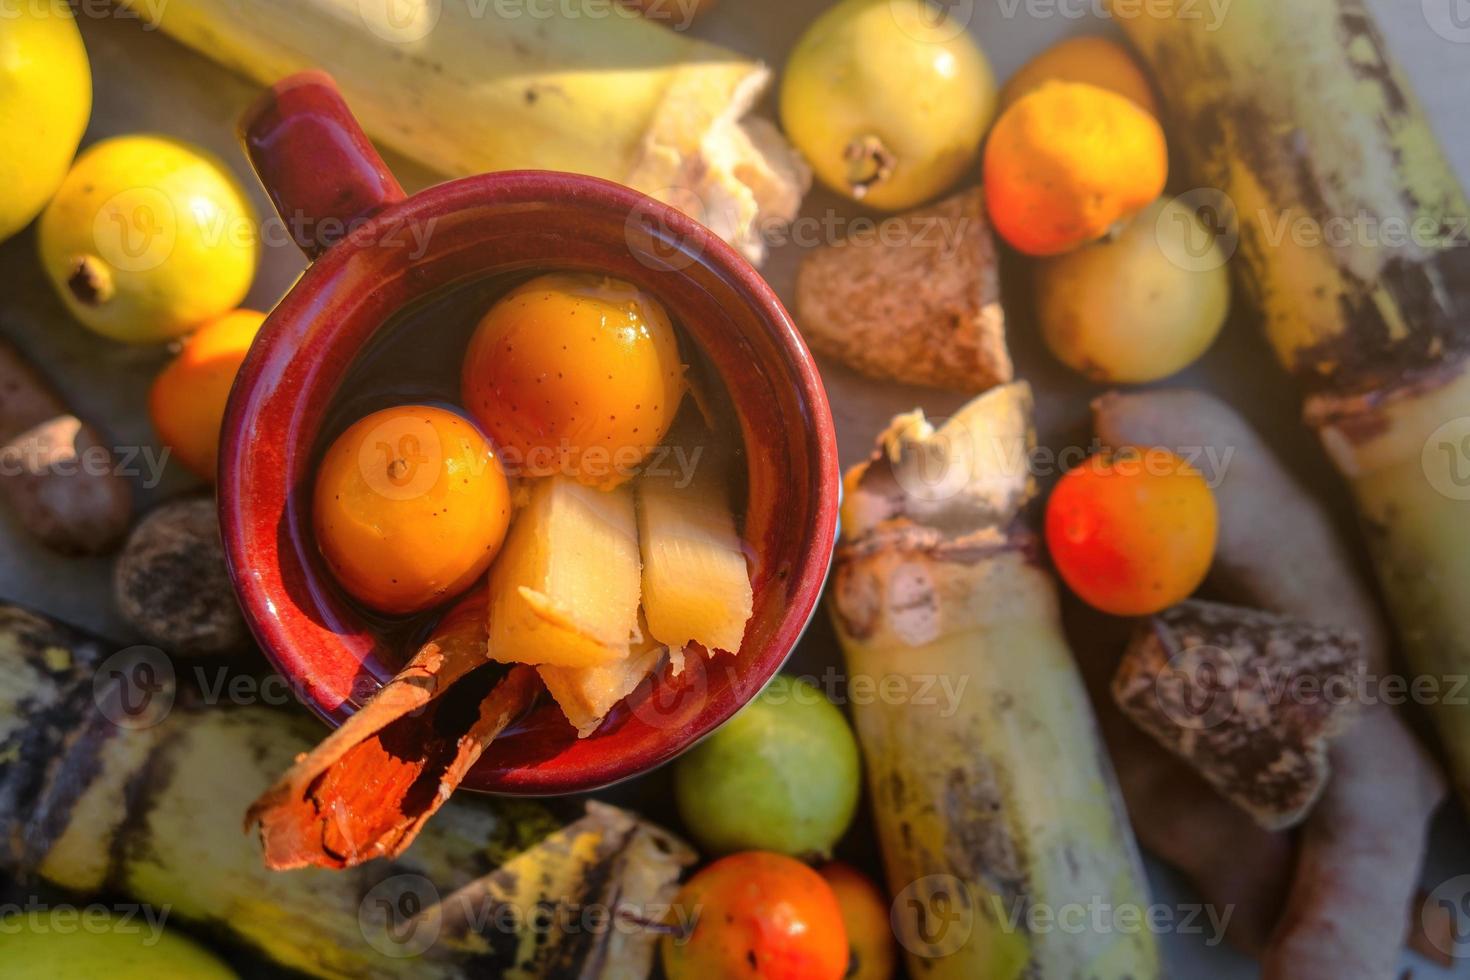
530 187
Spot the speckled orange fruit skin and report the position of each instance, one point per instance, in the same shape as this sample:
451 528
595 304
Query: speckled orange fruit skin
187 400
410 507
1132 531
1067 162
1092 60
866 914
575 375
758 915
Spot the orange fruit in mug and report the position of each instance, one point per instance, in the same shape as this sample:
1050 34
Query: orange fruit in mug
410 507
1091 60
757 914
187 400
865 912
1067 162
576 375
1132 531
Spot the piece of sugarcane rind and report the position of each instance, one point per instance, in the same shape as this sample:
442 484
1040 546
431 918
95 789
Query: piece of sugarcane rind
1248 698
153 813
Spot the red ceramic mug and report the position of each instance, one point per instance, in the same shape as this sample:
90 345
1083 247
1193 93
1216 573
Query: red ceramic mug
352 219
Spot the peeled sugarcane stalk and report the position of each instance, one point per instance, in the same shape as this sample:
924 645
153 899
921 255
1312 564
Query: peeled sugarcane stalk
1353 245
491 888
470 86
1001 813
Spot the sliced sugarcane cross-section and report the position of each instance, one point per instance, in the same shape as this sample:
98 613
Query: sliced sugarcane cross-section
587 694
564 589
696 586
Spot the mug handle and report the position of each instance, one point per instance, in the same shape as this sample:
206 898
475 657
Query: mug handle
317 165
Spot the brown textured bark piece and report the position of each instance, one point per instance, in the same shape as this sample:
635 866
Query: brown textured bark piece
915 300
368 789
1249 699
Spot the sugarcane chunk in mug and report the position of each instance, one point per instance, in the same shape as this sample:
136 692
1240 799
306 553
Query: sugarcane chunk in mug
550 458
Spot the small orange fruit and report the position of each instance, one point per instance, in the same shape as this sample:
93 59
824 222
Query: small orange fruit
869 926
410 507
1091 60
575 375
1132 531
757 914
1067 162
187 401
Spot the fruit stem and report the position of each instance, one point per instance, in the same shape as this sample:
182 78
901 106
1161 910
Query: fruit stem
869 163
90 282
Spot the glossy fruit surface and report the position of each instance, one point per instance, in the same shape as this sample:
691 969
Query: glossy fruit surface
757 915
148 237
888 100
187 401
1139 306
575 375
782 775
1094 60
45 101
410 507
1067 162
865 912
1132 531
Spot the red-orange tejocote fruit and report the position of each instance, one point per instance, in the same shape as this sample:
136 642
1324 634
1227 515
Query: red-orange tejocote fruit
757 914
1068 161
410 507
1132 531
575 375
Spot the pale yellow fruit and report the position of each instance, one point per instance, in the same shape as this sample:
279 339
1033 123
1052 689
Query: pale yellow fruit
1138 307
45 101
696 586
149 237
564 590
888 100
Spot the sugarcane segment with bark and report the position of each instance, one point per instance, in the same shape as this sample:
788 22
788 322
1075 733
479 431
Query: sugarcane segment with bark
154 812
1005 804
1353 246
